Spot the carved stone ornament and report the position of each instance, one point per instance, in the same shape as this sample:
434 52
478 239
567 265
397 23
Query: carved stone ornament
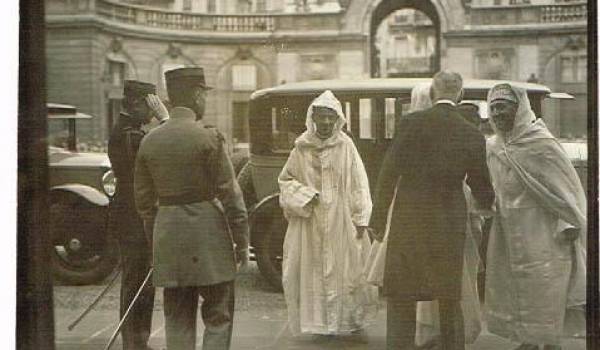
116 45
318 66
496 63
576 43
243 53
173 51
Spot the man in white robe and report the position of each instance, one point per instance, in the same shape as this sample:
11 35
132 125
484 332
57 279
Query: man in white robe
535 287
326 199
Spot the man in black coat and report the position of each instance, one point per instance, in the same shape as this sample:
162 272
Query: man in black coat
135 248
432 153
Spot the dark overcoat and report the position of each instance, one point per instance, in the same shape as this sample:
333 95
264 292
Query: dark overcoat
432 152
123 146
193 236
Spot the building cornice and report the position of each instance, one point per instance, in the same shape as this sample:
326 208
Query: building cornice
518 30
83 21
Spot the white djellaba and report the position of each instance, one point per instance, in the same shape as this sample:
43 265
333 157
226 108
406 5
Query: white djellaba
323 277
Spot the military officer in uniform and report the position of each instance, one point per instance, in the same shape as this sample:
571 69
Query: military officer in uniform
125 222
200 224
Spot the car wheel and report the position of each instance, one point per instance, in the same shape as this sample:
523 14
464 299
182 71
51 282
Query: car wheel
270 233
82 253
77 269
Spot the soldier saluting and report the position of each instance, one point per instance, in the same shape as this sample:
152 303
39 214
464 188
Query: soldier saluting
135 249
184 167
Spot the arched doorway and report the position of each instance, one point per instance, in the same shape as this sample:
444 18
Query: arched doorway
405 39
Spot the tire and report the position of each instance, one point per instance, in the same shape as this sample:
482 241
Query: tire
269 233
244 179
82 252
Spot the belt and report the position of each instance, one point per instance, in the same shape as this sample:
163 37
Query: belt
180 199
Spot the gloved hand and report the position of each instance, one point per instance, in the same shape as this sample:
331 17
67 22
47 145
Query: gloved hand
242 257
157 107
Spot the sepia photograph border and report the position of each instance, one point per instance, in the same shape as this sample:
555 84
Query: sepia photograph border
34 303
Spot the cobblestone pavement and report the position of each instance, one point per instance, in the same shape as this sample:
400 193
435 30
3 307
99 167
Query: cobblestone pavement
260 322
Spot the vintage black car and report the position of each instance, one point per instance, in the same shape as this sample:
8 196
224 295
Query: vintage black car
80 188
277 117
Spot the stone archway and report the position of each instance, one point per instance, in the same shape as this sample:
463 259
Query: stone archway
381 9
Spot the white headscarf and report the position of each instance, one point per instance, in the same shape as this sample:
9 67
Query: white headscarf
420 97
326 99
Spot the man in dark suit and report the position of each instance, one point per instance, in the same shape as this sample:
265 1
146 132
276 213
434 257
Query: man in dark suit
199 220
135 249
432 153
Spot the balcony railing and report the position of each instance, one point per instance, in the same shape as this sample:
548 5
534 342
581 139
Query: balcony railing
564 13
158 18
569 12
183 21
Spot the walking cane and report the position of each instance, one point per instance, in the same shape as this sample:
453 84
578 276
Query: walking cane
124 319
93 304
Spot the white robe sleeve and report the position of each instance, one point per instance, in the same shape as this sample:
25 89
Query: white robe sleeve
294 196
360 198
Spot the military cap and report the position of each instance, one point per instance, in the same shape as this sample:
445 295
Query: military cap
188 76
134 88
503 92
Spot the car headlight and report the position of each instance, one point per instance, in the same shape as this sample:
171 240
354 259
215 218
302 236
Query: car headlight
109 183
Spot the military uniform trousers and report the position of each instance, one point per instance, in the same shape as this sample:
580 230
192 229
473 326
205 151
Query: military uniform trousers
181 307
135 263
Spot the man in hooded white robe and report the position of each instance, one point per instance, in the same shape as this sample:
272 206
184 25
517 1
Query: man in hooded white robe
326 199
535 282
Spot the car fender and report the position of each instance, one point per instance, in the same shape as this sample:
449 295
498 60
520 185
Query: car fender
88 193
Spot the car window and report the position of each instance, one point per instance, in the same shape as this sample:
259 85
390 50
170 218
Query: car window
483 107
366 128
58 133
287 124
390 117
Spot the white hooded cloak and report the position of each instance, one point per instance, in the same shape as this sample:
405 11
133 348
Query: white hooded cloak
323 279
535 287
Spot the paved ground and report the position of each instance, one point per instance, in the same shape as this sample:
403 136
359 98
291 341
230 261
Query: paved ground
260 322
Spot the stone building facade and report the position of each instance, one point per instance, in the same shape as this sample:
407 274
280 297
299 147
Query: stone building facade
93 45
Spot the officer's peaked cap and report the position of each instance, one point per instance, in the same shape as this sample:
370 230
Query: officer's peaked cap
188 76
134 88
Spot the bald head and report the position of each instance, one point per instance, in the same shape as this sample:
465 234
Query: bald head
446 85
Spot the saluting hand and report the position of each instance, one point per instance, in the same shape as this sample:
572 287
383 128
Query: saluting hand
156 105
